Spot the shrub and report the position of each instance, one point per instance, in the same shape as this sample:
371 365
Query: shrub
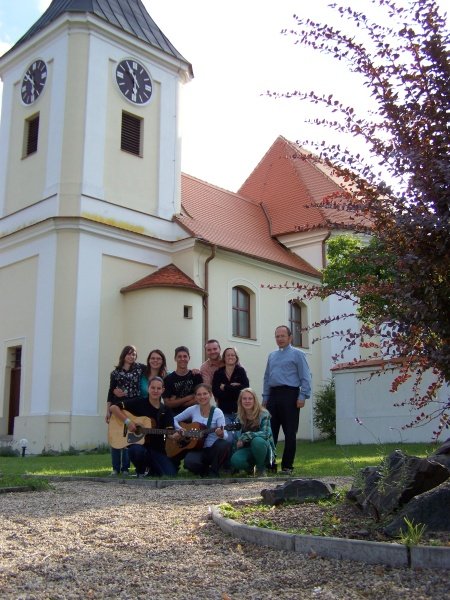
325 409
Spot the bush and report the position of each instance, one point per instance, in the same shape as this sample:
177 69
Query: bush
325 409
8 451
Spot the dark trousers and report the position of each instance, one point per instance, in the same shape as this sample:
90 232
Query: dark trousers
144 458
282 405
208 461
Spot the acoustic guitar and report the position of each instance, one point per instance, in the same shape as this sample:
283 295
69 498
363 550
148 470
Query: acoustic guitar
194 434
119 436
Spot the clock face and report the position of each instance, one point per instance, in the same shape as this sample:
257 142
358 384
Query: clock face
134 81
33 81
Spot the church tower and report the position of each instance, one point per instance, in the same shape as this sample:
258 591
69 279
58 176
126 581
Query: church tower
89 183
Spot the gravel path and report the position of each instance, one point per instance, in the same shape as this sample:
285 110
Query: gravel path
96 540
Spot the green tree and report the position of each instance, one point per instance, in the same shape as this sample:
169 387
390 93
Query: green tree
401 280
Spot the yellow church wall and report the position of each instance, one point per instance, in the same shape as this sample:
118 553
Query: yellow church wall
114 330
18 284
26 174
155 319
64 323
131 180
74 124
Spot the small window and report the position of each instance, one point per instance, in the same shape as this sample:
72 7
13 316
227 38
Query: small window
298 324
31 135
187 312
131 134
241 312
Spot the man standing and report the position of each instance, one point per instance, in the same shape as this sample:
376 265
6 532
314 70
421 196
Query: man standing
287 384
180 384
213 361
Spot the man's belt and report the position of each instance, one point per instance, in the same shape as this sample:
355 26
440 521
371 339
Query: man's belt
284 387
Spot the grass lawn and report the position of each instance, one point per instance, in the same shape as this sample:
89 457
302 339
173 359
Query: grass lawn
313 459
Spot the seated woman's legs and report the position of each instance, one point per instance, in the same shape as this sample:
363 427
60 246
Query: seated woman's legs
160 464
242 460
139 457
193 462
260 449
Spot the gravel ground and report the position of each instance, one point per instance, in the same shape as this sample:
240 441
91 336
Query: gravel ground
97 540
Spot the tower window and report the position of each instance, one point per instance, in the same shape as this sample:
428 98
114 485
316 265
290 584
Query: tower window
31 135
131 134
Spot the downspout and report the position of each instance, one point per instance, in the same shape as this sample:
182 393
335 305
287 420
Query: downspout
206 296
324 264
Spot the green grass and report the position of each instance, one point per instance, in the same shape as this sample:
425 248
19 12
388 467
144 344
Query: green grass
313 459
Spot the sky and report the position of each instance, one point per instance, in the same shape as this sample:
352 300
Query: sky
237 51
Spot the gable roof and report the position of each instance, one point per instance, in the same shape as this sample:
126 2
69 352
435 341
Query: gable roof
169 276
234 223
129 15
287 181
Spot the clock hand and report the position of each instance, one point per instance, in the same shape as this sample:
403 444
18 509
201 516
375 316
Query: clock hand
31 80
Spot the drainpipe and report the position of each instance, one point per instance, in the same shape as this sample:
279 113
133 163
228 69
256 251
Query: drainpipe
324 264
206 297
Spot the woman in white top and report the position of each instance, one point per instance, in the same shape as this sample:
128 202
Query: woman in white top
215 452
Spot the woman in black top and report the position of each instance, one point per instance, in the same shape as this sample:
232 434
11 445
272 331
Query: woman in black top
228 381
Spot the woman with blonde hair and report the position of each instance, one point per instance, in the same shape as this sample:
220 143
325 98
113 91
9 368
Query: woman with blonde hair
255 448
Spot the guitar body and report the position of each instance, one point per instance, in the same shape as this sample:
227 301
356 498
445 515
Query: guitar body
118 434
194 441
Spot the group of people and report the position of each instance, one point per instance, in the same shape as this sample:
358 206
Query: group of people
209 417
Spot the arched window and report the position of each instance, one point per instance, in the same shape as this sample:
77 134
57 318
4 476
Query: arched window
241 312
297 322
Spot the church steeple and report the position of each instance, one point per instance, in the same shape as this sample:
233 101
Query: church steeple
129 15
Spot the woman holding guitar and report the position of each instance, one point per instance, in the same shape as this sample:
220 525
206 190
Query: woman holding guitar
149 455
214 448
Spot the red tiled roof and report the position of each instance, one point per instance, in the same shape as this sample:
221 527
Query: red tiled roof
286 182
232 222
169 276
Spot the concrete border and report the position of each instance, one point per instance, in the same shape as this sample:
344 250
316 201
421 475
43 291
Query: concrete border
384 553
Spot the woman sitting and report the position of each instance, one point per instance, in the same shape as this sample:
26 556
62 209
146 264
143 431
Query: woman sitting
254 444
216 450
149 458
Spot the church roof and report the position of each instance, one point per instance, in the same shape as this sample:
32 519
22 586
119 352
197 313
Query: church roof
234 223
129 15
288 182
169 276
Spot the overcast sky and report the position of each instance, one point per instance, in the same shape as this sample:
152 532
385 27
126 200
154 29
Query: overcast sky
237 53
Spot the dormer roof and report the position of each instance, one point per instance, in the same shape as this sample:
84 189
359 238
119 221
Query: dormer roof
168 276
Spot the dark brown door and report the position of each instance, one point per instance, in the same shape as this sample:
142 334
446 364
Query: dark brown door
14 398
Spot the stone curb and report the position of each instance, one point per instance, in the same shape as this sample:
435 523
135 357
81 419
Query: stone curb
392 555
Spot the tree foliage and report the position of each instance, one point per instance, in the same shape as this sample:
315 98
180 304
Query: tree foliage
400 280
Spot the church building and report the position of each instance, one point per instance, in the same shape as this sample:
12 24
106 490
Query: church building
104 241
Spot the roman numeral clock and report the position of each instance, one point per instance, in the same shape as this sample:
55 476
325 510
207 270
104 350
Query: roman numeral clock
134 81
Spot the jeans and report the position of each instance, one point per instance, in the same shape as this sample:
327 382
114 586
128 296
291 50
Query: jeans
120 459
144 458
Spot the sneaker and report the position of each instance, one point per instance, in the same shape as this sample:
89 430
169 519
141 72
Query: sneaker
126 473
114 474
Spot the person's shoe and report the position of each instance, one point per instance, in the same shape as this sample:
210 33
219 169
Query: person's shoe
287 471
114 474
126 473
138 475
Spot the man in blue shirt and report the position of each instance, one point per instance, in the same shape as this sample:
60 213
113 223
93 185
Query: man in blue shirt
287 384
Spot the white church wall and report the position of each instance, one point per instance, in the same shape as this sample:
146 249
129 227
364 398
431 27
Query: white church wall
365 411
